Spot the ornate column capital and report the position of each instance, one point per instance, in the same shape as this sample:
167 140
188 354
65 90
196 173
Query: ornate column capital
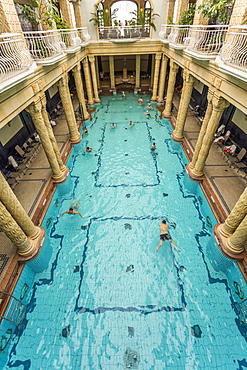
219 103
188 77
84 61
91 59
158 56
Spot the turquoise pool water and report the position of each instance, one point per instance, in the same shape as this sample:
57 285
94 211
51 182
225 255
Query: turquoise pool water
105 299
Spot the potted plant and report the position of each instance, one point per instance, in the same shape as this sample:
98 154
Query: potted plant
144 18
217 10
187 17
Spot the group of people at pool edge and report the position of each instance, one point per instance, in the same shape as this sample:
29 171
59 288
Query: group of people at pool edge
164 233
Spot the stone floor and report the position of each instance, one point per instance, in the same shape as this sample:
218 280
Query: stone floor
31 182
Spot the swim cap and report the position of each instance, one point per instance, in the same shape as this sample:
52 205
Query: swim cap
71 208
163 221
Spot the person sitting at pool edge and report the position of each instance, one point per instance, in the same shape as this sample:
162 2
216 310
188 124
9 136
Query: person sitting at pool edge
131 123
164 235
113 124
88 149
140 100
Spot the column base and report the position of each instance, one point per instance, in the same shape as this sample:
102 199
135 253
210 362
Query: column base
63 177
77 140
166 114
90 102
160 100
35 246
193 174
153 98
86 116
97 100
227 248
175 138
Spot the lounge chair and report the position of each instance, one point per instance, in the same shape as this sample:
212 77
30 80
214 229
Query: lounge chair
236 161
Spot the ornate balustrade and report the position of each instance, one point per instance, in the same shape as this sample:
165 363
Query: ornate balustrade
123 33
205 42
165 32
84 35
70 40
234 51
178 37
14 56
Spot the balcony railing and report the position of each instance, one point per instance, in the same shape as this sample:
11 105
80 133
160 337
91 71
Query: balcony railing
206 41
45 45
14 56
165 32
234 52
84 35
70 40
178 37
123 33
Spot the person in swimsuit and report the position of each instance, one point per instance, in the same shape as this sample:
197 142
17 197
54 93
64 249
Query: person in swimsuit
113 124
164 235
140 100
153 146
73 209
131 123
88 149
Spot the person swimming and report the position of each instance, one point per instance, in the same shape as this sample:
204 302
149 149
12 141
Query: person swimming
73 209
153 146
113 124
164 235
131 123
140 100
123 94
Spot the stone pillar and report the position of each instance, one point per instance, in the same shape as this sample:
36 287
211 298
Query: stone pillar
9 19
170 89
14 207
188 81
199 19
182 6
52 138
163 70
219 105
170 11
94 79
112 71
90 100
138 71
156 76
238 14
75 136
236 216
202 131
235 244
80 90
25 247
77 13
65 10
35 109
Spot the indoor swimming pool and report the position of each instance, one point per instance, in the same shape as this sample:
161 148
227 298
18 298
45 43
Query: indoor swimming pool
105 299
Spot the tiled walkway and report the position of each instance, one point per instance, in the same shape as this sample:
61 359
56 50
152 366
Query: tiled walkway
228 184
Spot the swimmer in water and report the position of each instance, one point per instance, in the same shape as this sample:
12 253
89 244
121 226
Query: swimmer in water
131 123
147 114
73 209
88 149
140 100
153 146
149 106
113 124
164 235
85 130
123 94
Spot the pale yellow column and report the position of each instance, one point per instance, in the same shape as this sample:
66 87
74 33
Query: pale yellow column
80 90
170 89
238 15
163 70
75 136
14 207
202 131
90 100
35 109
25 247
65 10
188 81
9 18
94 79
235 244
78 13
52 138
156 76
138 71
182 6
236 216
219 105
170 11
112 71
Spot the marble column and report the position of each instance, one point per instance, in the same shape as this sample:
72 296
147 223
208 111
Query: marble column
90 99
94 79
170 11
163 70
138 71
202 131
219 105
78 13
156 76
75 136
112 71
25 247
238 213
170 89
235 244
52 138
14 207
80 90
65 9
35 109
188 81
